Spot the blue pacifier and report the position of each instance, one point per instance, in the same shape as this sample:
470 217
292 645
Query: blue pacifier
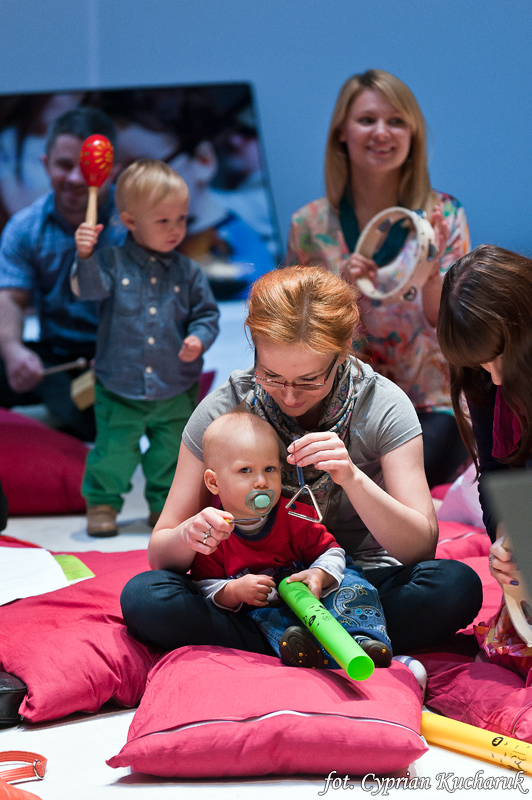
261 502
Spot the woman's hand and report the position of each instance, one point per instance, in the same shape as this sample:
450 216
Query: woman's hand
212 521
437 220
502 564
325 451
358 266
431 291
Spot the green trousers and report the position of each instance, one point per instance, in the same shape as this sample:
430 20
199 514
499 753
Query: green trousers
119 425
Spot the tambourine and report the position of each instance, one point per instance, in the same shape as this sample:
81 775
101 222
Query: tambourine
401 279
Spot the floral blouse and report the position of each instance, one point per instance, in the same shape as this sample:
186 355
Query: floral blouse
399 342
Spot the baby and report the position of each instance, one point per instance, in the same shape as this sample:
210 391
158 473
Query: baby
242 459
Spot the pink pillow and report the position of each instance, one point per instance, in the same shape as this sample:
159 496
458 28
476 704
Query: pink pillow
461 541
71 647
482 694
40 469
219 712
439 492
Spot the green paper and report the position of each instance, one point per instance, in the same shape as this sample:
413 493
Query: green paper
327 630
74 569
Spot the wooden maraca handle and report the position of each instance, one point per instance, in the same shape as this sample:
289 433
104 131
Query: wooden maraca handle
92 206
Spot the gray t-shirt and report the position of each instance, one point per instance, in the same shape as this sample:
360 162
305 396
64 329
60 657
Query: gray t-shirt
383 418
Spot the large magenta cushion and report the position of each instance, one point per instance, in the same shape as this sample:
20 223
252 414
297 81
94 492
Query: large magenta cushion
215 712
71 647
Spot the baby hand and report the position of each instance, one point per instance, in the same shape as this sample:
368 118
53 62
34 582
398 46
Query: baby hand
192 348
253 589
313 578
86 237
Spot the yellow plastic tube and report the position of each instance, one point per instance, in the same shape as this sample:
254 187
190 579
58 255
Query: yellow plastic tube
472 741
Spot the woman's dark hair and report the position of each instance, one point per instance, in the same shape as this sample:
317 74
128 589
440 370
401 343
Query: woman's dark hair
485 312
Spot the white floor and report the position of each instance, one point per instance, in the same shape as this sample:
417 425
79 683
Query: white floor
77 747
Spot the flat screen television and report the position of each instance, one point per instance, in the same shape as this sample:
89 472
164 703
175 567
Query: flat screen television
208 133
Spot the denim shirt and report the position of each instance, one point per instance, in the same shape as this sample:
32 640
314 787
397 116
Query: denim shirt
149 303
37 251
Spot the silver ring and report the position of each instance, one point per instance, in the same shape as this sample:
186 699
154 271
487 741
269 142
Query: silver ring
207 534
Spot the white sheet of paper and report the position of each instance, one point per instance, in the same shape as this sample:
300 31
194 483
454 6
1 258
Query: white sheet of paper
28 571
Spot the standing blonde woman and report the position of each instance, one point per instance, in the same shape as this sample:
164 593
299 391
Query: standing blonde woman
376 158
360 448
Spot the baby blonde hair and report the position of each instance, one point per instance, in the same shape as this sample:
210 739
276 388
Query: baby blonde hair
231 424
148 181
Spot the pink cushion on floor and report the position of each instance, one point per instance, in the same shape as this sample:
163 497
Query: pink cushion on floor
439 492
71 647
460 541
40 469
218 712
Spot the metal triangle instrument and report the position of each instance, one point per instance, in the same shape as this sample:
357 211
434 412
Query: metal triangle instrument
303 487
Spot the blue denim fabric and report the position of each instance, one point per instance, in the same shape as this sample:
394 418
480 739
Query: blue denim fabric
37 251
355 604
149 303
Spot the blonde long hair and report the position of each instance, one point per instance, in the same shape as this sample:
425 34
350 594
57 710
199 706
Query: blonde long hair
414 187
304 304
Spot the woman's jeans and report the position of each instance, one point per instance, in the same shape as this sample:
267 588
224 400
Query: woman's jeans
423 604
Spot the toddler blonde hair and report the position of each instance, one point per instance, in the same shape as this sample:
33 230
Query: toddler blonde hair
148 181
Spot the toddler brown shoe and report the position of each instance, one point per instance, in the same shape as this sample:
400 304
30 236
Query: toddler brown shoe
101 521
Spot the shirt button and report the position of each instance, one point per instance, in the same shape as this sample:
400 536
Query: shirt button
125 281
149 370
153 280
177 289
152 310
152 258
151 340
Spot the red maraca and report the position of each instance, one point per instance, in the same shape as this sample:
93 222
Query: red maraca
96 161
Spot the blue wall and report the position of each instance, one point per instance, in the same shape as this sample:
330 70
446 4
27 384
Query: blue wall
469 62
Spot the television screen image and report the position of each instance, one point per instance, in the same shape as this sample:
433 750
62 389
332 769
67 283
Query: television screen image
207 133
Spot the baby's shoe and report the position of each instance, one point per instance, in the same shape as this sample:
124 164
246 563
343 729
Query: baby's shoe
380 653
299 648
101 521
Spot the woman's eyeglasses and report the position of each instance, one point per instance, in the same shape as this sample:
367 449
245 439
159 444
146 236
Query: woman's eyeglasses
303 387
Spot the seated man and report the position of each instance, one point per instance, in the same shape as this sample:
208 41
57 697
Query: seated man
37 251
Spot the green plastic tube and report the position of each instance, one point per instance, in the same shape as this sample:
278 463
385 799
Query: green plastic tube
327 630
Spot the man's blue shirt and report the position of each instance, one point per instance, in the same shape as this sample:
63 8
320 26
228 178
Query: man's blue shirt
37 251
